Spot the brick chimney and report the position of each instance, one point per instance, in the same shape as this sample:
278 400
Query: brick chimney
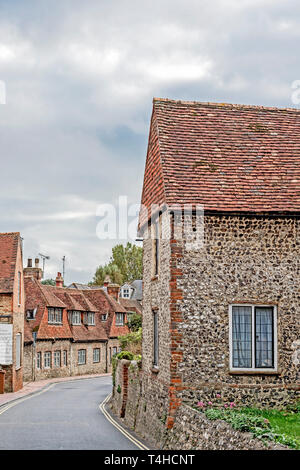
31 271
59 280
107 281
114 290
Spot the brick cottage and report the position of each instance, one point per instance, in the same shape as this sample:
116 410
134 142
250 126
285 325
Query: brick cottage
70 331
221 316
11 312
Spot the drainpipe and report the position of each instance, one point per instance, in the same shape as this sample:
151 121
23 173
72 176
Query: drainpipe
106 357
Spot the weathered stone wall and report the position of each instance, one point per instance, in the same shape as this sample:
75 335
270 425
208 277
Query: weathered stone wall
192 430
31 372
156 297
90 367
251 260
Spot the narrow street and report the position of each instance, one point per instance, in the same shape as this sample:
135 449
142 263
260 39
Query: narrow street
66 416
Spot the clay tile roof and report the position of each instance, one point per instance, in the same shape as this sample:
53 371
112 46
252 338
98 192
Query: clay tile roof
8 255
52 300
234 158
131 305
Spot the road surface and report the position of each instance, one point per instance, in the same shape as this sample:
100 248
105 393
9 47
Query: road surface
65 417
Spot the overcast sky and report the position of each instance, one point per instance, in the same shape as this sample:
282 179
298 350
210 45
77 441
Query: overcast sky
80 77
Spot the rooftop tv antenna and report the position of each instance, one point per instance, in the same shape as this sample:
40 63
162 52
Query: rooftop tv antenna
64 265
44 257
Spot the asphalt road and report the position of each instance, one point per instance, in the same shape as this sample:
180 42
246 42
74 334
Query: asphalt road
65 417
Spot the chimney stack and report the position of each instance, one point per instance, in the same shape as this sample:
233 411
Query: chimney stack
107 281
59 280
31 271
113 290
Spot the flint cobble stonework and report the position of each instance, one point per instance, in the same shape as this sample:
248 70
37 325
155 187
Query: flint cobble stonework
191 429
239 260
252 260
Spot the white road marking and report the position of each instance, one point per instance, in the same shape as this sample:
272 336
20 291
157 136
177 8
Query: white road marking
135 441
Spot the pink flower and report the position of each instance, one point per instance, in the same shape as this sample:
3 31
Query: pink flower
232 404
201 404
210 403
218 395
225 406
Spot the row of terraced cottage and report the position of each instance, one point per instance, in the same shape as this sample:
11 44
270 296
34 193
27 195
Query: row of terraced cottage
54 331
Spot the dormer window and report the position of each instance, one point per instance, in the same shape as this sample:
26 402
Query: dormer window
90 316
76 317
55 315
104 316
120 319
30 314
126 293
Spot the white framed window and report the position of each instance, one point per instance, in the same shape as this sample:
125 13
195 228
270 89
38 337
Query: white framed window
38 360
96 355
91 318
120 319
47 360
55 315
81 356
126 293
253 337
76 318
114 350
65 358
57 356
18 350
104 316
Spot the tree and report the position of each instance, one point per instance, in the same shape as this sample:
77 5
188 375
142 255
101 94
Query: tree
49 282
129 260
125 265
110 270
134 321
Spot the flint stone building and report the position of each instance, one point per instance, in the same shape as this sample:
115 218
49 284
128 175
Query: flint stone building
69 331
220 316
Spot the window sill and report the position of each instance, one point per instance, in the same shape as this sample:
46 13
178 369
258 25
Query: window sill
155 370
254 372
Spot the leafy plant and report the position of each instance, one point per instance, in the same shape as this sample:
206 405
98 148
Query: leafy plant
134 322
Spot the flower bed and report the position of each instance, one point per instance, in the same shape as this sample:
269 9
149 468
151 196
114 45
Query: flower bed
282 426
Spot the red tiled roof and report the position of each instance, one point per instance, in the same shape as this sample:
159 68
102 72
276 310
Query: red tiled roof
87 300
131 305
8 255
231 158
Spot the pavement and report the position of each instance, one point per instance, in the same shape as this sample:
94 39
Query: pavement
61 415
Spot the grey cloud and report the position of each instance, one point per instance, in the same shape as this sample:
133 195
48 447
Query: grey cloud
80 77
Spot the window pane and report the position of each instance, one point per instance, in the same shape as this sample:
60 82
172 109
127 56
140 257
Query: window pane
264 344
241 337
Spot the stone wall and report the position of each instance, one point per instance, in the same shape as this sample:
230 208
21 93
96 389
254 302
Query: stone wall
252 260
191 429
156 297
31 372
